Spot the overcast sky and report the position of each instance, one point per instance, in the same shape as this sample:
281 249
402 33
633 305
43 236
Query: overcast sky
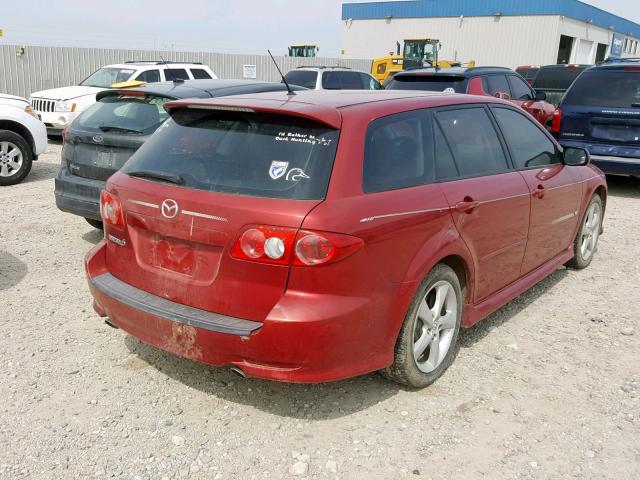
233 26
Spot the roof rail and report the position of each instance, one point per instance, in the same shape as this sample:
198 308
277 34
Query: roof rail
322 67
160 62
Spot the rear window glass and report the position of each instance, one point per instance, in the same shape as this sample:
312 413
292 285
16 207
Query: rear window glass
242 153
339 80
427 83
128 114
600 88
528 73
302 78
557 78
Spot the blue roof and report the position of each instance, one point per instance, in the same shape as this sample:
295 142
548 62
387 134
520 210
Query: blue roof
480 8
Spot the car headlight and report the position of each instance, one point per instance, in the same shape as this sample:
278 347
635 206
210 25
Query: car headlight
29 109
65 107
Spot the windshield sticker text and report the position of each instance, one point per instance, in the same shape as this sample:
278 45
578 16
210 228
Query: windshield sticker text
302 138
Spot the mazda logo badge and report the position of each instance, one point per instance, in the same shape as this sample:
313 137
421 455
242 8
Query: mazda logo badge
98 138
169 209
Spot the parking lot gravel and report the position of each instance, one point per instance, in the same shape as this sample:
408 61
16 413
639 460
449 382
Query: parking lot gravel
546 388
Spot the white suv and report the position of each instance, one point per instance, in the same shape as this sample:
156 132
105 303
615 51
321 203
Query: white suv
58 107
332 78
22 138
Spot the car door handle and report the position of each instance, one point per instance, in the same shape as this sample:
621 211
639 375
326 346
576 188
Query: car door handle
468 205
539 192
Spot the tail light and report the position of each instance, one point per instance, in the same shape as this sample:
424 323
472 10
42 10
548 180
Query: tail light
556 121
288 246
111 209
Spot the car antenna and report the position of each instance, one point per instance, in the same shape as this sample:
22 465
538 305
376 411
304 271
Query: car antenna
166 64
289 91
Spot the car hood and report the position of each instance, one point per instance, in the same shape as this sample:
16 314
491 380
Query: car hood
67 93
12 98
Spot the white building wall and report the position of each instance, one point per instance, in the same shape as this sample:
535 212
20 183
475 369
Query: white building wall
499 41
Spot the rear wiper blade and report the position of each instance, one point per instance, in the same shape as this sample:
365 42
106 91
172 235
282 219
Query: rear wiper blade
113 128
636 105
165 177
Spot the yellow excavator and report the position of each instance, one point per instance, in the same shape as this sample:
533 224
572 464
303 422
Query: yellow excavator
417 53
303 51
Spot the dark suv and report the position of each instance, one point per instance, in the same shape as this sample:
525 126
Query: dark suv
601 113
105 135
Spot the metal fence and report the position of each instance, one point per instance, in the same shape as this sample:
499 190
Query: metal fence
27 69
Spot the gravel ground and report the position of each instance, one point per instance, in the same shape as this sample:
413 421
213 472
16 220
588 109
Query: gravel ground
547 388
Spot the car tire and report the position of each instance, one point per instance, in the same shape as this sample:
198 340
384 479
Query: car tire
585 245
95 223
15 158
418 361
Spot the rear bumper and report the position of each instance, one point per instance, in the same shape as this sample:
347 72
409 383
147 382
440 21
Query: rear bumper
306 338
611 159
77 195
617 165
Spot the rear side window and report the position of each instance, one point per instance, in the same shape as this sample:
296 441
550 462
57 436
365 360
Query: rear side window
445 164
242 153
601 88
302 78
128 114
200 74
369 82
342 81
519 89
528 145
396 153
150 76
175 74
497 84
473 141
428 83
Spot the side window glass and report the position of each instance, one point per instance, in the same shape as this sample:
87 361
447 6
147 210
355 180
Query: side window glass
176 73
351 81
529 146
396 155
519 89
445 165
150 76
473 141
368 82
200 74
497 84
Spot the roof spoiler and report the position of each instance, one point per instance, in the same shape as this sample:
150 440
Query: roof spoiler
327 116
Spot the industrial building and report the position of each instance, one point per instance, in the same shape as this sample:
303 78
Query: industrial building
491 32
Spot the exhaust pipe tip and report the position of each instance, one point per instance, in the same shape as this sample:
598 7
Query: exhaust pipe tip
238 372
108 322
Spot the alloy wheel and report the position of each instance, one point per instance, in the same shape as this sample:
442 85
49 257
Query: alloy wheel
590 231
11 159
434 326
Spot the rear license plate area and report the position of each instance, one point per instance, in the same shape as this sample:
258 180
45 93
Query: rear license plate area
174 255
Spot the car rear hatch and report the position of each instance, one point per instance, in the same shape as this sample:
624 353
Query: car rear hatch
555 80
105 136
603 106
196 186
429 81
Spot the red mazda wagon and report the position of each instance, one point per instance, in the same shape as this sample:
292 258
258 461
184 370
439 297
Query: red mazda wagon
321 235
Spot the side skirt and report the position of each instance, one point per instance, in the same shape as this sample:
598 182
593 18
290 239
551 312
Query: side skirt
475 313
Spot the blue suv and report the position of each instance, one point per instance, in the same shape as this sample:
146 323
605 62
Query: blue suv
601 113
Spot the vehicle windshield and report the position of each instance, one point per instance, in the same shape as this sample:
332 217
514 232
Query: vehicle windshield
557 78
602 88
105 77
428 83
243 153
302 78
135 114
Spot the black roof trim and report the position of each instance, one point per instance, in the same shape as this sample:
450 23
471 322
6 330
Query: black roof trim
161 62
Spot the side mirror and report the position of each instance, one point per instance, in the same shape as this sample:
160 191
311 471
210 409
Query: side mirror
540 95
576 156
502 96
